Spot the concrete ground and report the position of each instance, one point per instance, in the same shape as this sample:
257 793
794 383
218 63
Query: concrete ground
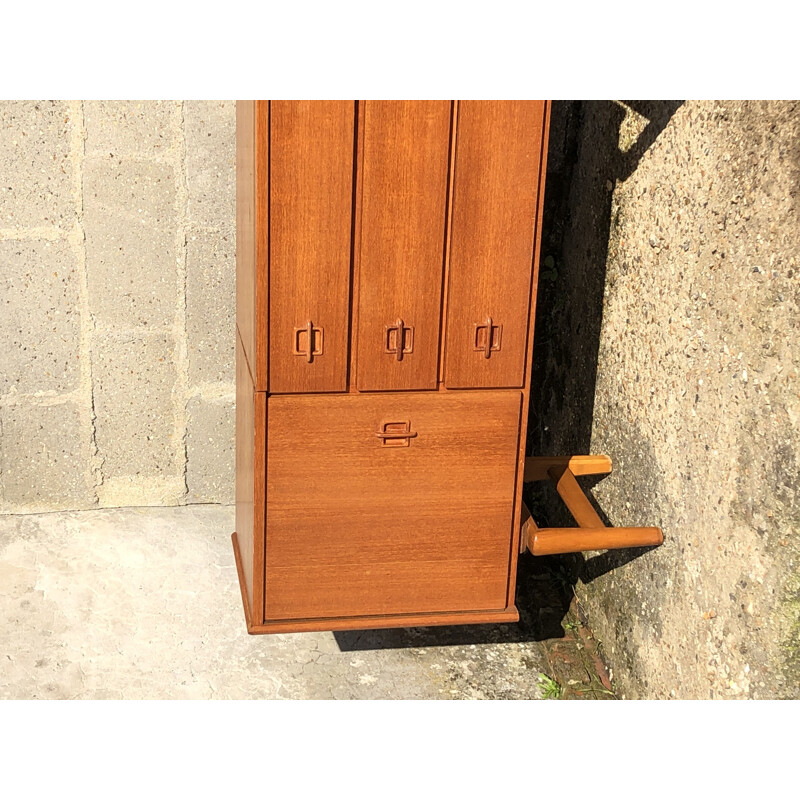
144 603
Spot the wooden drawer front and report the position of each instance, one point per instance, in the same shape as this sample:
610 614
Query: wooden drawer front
361 524
404 196
311 198
496 179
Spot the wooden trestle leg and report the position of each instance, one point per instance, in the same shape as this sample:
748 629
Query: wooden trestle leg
592 533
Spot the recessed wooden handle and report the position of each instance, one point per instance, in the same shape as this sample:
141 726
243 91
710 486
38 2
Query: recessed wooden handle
399 339
487 337
396 434
313 344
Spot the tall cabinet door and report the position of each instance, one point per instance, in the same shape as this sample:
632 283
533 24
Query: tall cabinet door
496 181
310 229
406 148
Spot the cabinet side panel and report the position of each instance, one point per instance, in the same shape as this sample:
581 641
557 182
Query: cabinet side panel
246 228
259 501
311 199
403 206
245 432
496 187
526 392
262 211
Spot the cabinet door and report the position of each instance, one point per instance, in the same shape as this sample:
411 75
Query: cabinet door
311 198
406 149
495 190
389 503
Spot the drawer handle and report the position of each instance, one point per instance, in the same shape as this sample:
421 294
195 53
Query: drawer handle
399 339
396 434
312 344
487 337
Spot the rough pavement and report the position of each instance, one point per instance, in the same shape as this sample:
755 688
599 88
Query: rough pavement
144 603
667 337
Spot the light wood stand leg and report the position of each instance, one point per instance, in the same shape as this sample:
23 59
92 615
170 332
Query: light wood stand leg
592 533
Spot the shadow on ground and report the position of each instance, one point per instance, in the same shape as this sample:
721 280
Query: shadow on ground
543 600
585 159
593 145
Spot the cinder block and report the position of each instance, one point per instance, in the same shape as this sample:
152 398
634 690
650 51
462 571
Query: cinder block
211 306
36 180
44 457
210 447
134 377
130 221
40 317
210 129
128 127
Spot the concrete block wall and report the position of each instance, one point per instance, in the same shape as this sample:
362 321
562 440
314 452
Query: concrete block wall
117 267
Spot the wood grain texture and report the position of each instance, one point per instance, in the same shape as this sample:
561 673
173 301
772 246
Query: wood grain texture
434 538
251 445
552 541
403 208
363 623
388 621
526 392
311 197
448 239
237 556
527 528
252 213
259 502
574 498
536 467
495 194
245 451
246 227
356 250
357 527
261 369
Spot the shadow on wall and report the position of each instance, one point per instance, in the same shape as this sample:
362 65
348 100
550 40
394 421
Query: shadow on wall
600 142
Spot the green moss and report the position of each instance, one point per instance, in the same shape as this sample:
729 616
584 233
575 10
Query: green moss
790 642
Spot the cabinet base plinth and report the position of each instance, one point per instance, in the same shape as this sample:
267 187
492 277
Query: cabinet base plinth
509 614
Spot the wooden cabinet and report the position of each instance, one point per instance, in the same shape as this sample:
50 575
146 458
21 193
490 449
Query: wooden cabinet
310 231
401 243
495 196
386 278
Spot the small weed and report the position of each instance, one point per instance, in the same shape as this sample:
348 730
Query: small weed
550 688
571 626
549 273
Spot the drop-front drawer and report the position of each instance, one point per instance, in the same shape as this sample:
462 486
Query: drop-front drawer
386 504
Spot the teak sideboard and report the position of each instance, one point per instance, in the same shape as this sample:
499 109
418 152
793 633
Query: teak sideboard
386 283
